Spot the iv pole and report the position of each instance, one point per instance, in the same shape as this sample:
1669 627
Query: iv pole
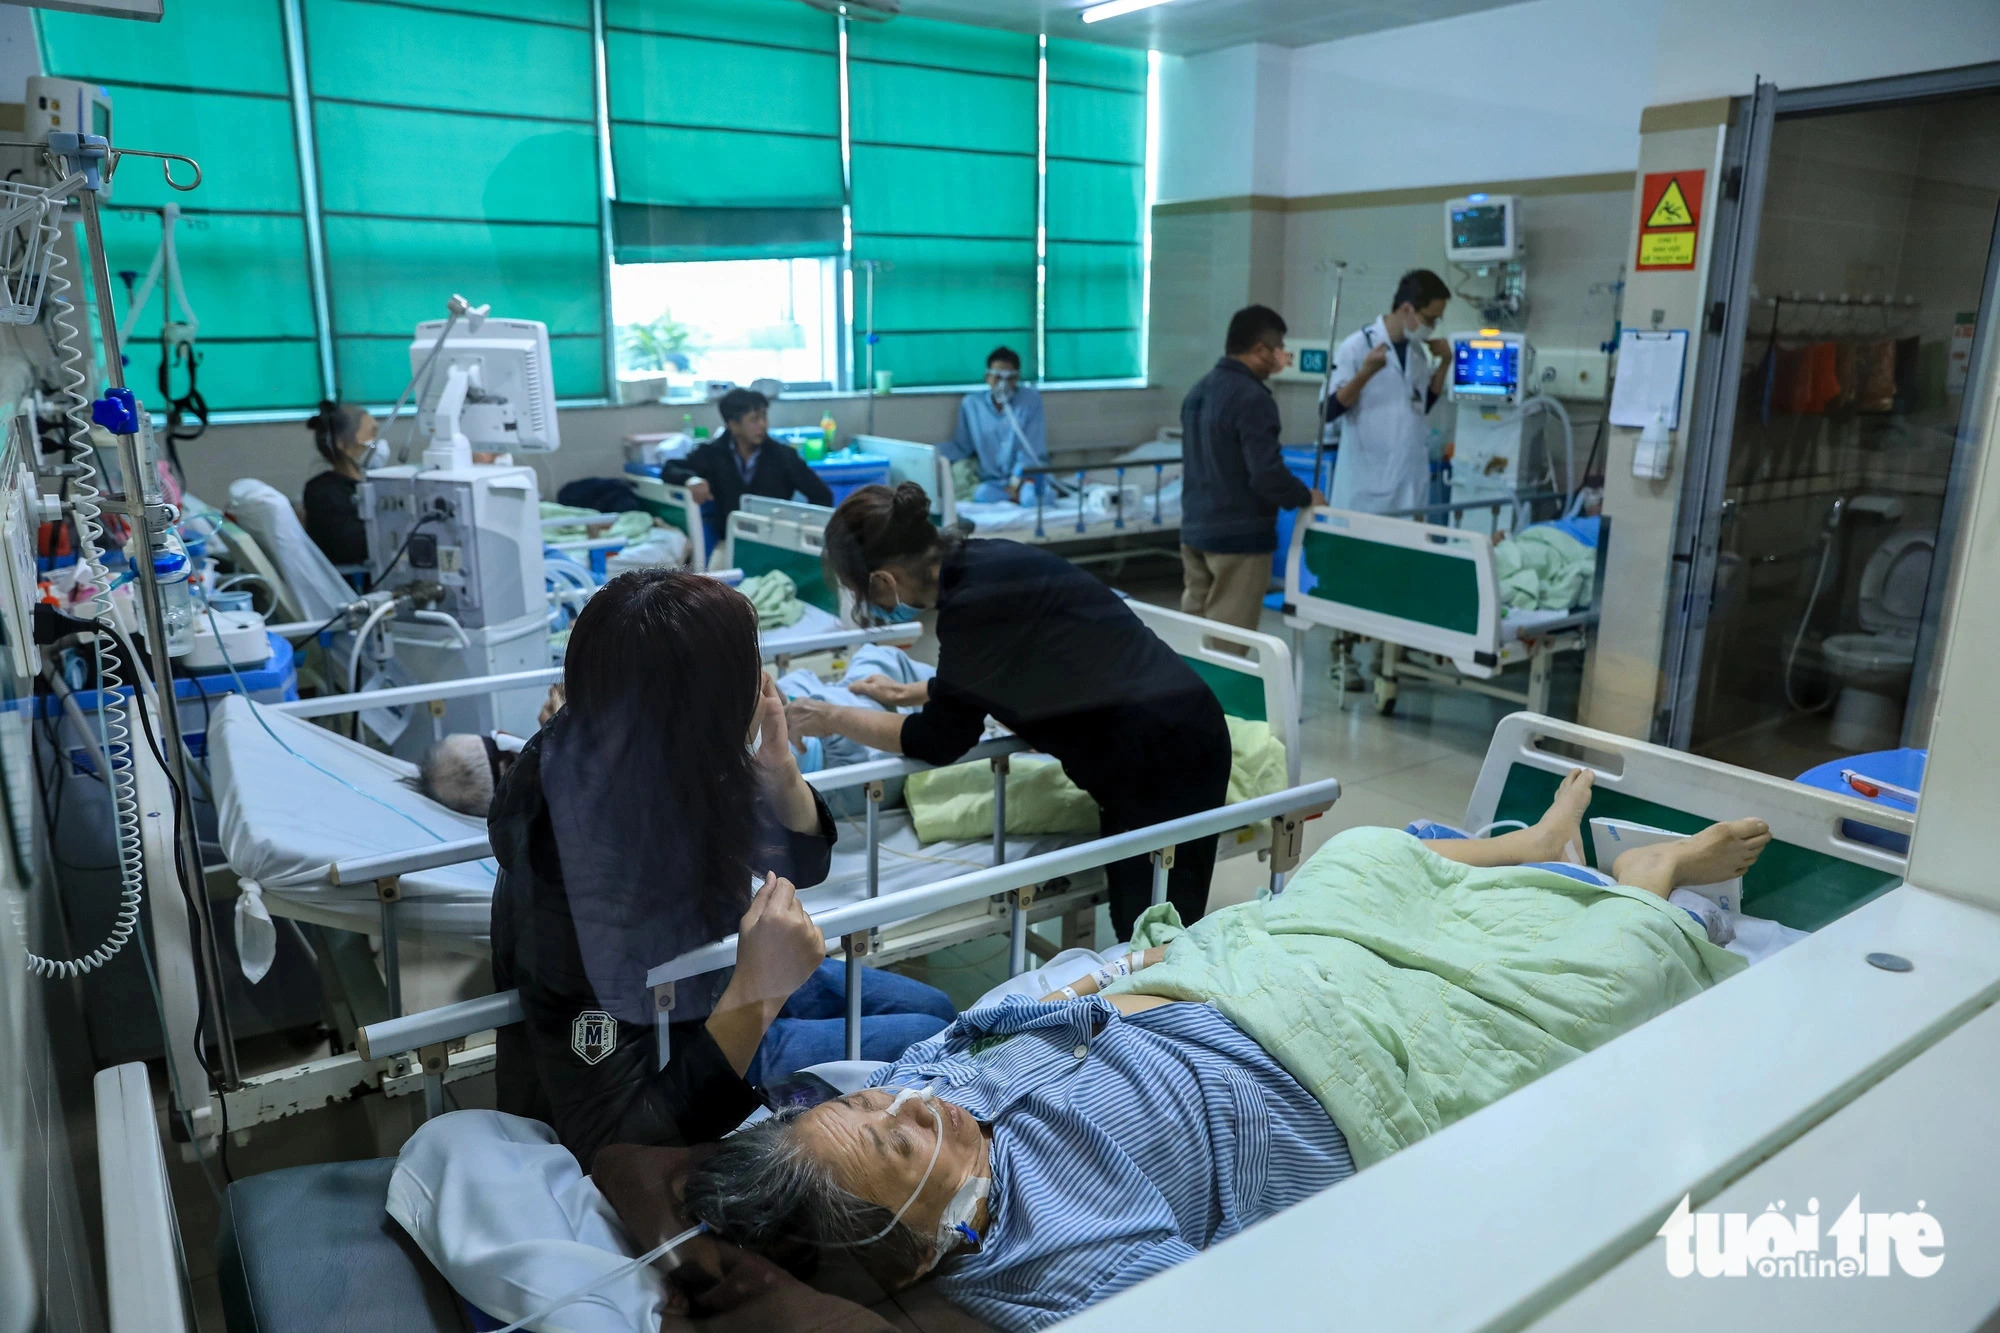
142 518
1326 428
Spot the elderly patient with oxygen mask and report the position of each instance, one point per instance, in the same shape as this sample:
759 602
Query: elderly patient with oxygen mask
1039 1156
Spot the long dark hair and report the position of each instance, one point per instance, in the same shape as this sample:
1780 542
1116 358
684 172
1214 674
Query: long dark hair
662 678
876 527
333 426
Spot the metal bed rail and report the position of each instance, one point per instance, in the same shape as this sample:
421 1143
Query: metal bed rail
1117 465
427 1034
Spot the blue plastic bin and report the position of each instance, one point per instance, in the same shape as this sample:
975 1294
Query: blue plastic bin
275 682
847 472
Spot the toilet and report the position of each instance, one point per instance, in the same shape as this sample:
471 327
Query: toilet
1872 667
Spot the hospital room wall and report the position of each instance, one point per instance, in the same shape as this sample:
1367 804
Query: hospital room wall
282 454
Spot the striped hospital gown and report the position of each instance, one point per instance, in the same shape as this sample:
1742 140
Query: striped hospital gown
1121 1146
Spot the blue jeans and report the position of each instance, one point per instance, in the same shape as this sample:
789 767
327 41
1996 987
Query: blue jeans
896 1013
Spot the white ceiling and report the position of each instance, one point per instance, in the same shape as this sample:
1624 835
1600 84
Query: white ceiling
1188 27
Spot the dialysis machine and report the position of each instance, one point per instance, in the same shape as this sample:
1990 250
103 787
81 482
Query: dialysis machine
1497 450
465 538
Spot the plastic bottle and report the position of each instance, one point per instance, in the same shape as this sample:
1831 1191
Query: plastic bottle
832 429
171 568
1655 451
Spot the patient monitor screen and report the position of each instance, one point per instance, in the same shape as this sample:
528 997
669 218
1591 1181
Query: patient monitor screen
1479 227
1485 366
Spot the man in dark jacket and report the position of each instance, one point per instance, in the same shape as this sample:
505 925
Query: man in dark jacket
745 460
1234 475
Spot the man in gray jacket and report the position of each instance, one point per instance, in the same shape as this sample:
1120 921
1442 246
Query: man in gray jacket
1234 475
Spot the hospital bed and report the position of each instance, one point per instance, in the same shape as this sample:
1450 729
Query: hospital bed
1817 875
325 832
1144 479
1426 588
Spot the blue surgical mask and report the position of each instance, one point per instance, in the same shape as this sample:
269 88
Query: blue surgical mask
902 615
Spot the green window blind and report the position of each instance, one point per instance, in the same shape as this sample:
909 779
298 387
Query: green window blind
944 191
209 80
1095 211
725 129
457 153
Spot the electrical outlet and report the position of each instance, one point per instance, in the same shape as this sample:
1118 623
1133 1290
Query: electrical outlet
1571 372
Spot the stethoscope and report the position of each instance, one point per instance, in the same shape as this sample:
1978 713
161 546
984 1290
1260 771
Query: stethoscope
1402 368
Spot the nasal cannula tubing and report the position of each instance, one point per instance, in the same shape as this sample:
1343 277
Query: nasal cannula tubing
596 1282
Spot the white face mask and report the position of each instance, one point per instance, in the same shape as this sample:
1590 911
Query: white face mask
375 454
1423 331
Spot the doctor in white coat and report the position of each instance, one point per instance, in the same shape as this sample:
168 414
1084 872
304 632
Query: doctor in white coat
1386 379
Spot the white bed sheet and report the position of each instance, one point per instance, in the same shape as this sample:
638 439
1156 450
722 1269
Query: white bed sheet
1515 624
1058 515
813 624
292 798
907 864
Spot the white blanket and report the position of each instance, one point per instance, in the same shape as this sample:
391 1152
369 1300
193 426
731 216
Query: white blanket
292 798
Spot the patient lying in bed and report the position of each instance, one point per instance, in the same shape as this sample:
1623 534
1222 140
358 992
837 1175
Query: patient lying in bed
1043 1156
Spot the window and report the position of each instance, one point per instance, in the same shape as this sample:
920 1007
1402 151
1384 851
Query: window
740 319
709 188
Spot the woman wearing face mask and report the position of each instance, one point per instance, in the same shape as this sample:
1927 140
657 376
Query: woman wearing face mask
1386 378
349 439
1055 656
632 829
1002 430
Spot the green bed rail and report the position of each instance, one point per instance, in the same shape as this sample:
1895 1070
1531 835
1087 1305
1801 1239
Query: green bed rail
1429 587
755 557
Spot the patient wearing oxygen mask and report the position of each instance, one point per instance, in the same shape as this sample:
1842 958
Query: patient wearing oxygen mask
1037 1157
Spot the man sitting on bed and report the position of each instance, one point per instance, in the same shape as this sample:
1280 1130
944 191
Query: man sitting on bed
1000 432
1044 1156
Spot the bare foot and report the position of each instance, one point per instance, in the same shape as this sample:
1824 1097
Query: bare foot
1558 835
1719 852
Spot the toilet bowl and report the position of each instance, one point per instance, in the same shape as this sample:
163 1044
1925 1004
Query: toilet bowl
1872 666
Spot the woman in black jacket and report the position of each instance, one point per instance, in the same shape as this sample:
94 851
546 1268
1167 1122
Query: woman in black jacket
1054 656
632 829
348 438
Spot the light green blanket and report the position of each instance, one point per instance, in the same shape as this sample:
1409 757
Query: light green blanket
1405 991
1544 569
632 525
776 598
957 803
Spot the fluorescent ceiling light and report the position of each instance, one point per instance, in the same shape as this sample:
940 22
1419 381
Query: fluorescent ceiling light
1111 9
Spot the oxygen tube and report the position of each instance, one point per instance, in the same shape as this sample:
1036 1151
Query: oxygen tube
606 1279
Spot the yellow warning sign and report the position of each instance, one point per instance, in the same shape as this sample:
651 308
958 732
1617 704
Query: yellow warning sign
1672 209
1666 249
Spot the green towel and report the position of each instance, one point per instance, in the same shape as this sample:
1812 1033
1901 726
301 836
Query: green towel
632 525
776 598
957 803
1405 991
1544 569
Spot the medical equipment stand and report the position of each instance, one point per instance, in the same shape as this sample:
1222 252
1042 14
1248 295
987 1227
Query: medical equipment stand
97 160
1327 428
